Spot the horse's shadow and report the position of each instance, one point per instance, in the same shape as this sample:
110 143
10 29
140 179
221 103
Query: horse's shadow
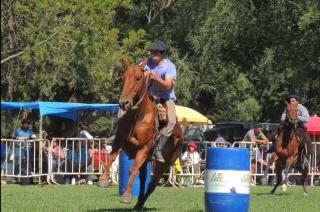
123 209
271 195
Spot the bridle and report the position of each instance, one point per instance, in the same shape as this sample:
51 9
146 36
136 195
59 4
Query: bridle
136 106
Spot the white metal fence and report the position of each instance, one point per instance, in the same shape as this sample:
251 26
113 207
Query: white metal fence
64 158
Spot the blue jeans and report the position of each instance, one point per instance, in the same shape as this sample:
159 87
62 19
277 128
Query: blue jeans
57 177
13 166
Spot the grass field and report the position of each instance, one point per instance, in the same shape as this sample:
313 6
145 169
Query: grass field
93 198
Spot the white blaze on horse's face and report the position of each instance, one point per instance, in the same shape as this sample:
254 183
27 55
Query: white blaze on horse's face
132 78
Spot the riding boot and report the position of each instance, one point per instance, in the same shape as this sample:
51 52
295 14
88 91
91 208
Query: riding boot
161 144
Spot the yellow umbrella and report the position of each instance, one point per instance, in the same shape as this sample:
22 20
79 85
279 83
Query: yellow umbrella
189 116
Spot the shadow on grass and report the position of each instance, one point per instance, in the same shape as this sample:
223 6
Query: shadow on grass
268 194
123 209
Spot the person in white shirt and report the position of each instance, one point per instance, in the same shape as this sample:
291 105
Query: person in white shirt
84 131
191 157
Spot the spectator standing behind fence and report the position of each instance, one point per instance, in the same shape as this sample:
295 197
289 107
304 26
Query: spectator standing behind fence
82 156
58 157
23 133
191 157
255 135
262 161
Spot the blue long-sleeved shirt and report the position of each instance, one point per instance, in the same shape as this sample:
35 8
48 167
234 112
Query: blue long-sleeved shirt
303 114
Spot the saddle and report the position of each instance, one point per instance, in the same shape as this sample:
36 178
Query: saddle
161 111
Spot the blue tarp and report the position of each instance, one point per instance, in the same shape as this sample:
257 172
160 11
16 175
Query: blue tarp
63 109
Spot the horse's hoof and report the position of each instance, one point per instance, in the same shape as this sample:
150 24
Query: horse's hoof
284 188
305 194
137 207
103 183
125 199
263 180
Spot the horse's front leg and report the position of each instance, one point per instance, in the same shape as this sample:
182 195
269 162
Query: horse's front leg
284 186
141 157
143 177
104 179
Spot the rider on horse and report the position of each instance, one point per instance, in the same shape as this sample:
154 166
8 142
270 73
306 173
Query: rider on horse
303 117
163 74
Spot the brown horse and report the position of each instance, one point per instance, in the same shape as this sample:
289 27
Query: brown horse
289 151
136 134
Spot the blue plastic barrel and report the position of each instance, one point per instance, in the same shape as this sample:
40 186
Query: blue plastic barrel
227 179
124 172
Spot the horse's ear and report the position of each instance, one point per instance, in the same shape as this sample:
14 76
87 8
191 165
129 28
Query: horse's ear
143 64
126 62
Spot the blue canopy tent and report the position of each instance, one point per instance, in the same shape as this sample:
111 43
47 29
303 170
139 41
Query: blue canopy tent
62 109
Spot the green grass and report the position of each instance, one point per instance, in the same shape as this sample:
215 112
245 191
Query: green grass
93 198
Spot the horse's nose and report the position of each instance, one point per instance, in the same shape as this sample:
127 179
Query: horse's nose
124 103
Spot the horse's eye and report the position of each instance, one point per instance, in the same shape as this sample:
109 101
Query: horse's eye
138 78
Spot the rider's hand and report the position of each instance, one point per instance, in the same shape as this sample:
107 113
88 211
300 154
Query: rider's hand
153 75
146 73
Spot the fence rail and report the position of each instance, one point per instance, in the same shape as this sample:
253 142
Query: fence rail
65 157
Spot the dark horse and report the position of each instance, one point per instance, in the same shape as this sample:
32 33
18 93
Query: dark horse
136 134
289 152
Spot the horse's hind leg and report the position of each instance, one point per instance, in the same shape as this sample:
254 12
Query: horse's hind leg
279 168
158 170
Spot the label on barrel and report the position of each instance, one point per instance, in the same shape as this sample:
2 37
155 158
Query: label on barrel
227 181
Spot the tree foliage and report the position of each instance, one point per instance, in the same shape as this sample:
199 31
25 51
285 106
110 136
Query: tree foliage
236 60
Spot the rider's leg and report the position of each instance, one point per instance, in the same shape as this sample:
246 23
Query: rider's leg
167 131
305 139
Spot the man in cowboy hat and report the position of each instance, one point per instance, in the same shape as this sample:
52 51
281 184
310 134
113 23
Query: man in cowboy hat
163 74
302 117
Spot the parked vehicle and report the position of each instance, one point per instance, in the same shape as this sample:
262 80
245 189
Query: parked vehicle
235 131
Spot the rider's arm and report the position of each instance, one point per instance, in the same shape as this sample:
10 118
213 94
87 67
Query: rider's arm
303 114
166 84
283 116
